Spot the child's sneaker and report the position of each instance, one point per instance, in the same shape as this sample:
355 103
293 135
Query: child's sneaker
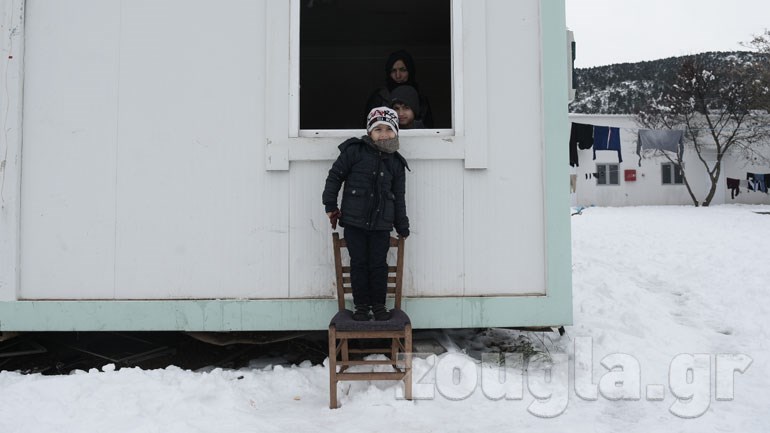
362 313
380 312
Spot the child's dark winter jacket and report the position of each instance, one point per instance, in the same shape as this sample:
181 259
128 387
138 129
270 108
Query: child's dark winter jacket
375 187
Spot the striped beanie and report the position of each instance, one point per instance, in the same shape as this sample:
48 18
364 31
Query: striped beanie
382 116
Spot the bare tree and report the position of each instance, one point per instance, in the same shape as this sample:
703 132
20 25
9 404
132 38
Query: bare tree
718 112
761 44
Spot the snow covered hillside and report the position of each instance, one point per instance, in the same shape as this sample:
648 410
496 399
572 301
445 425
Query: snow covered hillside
670 334
626 88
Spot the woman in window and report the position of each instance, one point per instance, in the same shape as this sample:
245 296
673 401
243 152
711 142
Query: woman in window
400 70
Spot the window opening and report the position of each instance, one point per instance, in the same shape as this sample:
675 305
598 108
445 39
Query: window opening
344 45
671 174
607 174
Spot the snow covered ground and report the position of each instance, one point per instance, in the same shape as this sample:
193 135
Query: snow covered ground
674 298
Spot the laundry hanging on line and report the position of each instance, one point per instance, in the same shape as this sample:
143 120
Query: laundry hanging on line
580 136
757 182
669 140
734 185
584 136
607 138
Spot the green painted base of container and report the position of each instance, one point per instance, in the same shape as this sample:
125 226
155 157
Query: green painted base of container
269 315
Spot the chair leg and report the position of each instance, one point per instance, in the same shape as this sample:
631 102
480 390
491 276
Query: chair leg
408 363
345 351
394 351
333 368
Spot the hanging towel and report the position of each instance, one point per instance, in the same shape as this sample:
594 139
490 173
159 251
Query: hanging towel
670 140
572 183
751 185
580 136
757 182
761 180
734 185
614 143
607 138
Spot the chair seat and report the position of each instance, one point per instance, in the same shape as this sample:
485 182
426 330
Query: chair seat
343 321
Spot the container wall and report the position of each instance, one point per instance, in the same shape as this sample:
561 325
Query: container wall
145 165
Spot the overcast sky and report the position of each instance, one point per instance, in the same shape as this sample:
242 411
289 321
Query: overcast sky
618 31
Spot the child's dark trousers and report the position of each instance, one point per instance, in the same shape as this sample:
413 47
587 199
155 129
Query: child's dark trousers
368 264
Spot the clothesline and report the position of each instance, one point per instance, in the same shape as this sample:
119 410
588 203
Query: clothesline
629 129
753 182
604 138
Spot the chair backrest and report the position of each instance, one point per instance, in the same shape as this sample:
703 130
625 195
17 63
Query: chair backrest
395 273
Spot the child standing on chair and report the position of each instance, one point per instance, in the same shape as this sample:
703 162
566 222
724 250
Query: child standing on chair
373 203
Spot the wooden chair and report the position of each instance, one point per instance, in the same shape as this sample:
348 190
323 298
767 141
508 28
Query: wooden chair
343 329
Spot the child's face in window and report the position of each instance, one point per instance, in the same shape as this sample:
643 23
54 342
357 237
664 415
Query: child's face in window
399 73
405 115
382 132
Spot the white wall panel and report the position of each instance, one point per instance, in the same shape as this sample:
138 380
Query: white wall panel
504 209
144 153
434 250
311 265
434 256
68 164
198 216
11 95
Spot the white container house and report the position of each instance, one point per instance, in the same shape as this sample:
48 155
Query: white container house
163 160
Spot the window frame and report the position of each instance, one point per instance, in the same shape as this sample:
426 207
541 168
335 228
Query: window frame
673 169
607 169
470 142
